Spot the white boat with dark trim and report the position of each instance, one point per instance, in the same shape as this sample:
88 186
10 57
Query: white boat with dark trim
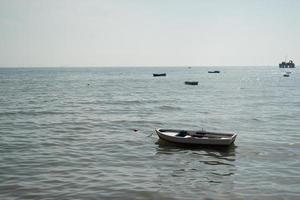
201 137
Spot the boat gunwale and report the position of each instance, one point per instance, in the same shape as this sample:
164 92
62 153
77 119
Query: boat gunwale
228 134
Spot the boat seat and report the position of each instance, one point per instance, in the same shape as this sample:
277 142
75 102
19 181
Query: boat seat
182 134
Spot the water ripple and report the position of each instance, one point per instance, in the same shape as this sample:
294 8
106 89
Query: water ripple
88 133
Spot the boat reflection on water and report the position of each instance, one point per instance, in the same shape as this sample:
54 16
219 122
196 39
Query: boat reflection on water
203 168
207 154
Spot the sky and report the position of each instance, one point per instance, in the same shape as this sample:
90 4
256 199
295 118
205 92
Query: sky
53 33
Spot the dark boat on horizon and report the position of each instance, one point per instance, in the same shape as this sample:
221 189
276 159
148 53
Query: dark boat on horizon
215 72
289 64
162 74
191 82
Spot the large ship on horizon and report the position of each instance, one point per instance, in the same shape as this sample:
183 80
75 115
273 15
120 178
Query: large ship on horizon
285 64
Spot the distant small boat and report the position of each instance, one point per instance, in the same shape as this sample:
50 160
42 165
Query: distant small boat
162 74
191 82
196 137
286 75
285 64
216 71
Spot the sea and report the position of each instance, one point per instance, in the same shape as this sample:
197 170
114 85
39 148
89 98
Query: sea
89 133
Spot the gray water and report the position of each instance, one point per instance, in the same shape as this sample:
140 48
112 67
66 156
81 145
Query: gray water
68 133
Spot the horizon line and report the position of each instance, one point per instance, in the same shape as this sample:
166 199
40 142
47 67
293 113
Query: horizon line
105 66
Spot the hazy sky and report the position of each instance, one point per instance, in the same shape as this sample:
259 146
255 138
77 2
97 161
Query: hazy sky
148 32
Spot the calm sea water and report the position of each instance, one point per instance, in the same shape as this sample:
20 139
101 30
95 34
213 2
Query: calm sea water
68 133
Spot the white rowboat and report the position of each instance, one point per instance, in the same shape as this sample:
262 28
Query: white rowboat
196 137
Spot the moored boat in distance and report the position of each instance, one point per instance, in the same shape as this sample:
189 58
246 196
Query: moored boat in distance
191 82
216 71
161 74
289 64
201 137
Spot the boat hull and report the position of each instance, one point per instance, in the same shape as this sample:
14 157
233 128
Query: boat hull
197 137
214 72
163 74
191 82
